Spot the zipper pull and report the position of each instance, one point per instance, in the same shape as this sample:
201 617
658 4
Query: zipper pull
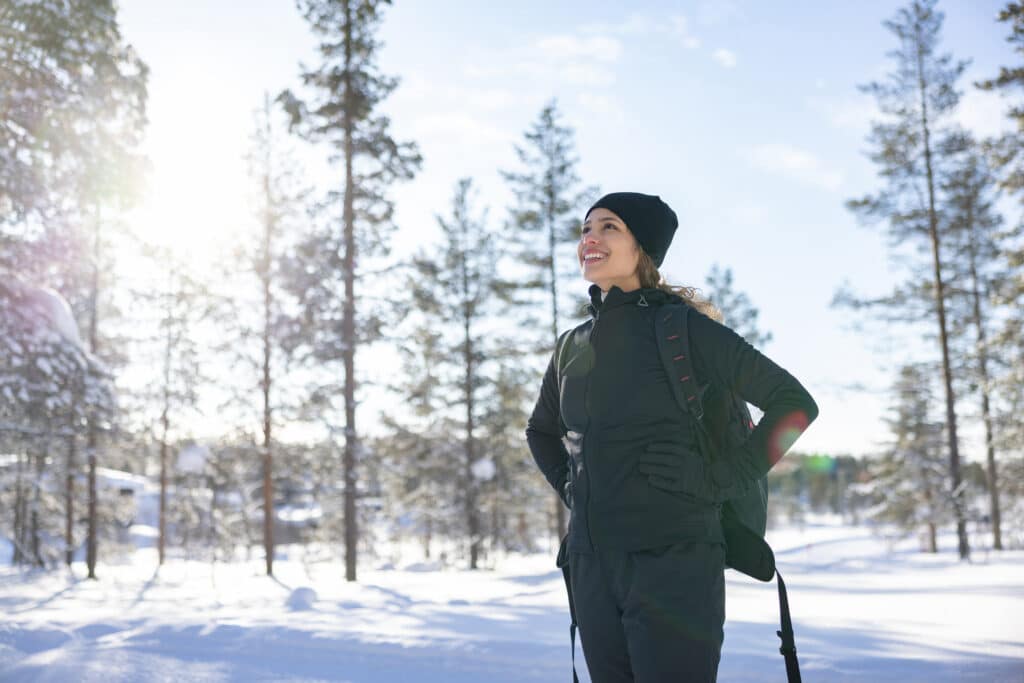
642 302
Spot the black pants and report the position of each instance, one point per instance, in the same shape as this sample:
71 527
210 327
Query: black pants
651 616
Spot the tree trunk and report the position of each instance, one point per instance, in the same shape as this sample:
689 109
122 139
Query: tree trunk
472 514
268 481
69 494
23 489
426 538
954 453
91 543
986 412
37 492
162 535
165 419
348 328
92 438
214 540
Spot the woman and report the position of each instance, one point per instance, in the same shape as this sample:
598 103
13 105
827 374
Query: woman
645 545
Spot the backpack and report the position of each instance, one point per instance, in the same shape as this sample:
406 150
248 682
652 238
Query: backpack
723 421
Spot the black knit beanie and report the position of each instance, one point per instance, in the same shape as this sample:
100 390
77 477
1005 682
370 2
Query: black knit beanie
650 220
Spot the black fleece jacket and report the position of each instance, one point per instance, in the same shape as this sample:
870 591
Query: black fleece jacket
615 400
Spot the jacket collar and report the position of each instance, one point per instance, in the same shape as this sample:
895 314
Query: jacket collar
616 297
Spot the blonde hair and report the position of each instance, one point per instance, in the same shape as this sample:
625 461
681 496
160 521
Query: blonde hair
650 278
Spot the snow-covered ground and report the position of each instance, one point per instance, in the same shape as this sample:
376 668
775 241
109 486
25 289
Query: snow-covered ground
863 611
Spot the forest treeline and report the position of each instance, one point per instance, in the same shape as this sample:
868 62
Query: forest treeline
103 377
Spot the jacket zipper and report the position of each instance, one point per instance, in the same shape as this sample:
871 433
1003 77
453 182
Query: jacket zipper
586 468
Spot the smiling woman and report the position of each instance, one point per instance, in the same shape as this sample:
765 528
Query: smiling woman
623 431
607 251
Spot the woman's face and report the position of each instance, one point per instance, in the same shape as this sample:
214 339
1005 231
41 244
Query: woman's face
608 252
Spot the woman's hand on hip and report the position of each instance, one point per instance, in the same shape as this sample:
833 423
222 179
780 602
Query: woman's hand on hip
672 466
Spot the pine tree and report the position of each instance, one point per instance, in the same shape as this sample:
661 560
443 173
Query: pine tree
513 501
74 106
50 386
174 307
454 289
546 216
263 328
74 111
976 246
1007 149
281 204
911 148
349 89
1007 154
737 310
906 480
419 473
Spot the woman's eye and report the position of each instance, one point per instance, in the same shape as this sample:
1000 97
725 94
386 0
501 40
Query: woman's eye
610 225
585 230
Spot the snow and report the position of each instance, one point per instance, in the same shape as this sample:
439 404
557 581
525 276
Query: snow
302 598
484 469
193 458
59 313
299 515
865 609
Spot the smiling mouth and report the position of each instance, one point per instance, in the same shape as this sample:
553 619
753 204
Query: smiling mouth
594 258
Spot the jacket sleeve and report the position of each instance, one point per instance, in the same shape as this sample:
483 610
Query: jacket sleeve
724 357
544 434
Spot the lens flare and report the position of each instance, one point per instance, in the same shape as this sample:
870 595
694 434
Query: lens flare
786 432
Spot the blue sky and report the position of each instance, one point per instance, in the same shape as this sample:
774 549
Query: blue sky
744 116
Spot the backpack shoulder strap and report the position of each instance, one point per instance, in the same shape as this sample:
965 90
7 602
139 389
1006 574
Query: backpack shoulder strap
672 333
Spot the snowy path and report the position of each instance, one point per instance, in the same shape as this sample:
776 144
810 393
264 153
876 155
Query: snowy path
861 614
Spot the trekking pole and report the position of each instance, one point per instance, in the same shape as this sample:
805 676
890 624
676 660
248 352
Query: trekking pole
788 648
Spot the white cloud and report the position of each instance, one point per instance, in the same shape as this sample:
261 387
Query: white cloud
983 113
679 26
717 12
852 112
607 105
581 74
795 163
568 47
554 61
461 127
490 99
632 25
726 58
676 26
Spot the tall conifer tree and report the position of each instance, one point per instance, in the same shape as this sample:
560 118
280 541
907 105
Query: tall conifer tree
342 111
1007 152
911 147
546 216
979 276
1008 149
454 288
906 484
264 327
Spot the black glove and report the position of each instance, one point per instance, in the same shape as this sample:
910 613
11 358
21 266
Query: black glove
671 466
675 467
